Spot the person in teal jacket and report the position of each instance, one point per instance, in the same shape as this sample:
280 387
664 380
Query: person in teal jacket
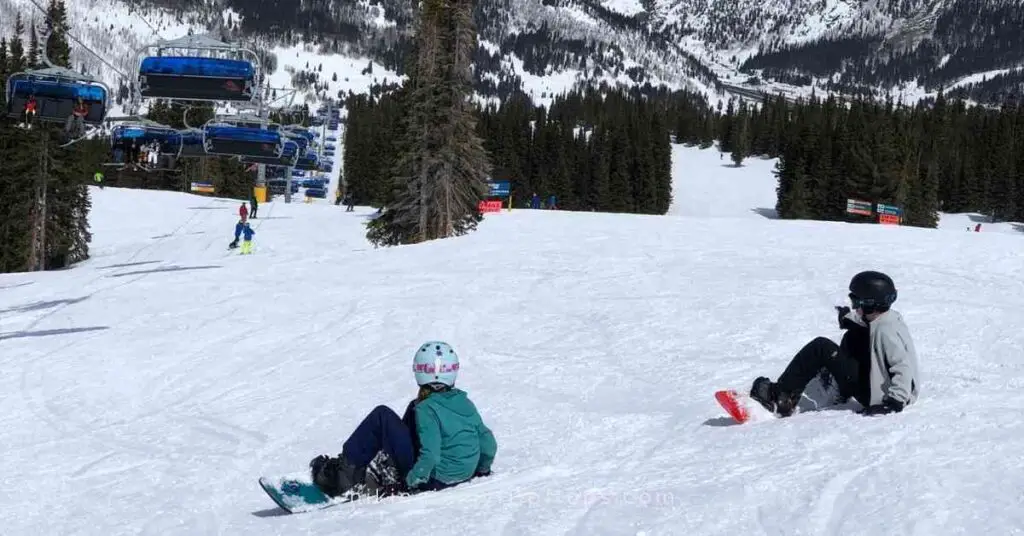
441 441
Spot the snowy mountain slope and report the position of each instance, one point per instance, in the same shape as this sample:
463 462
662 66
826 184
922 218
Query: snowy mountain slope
145 390
110 28
546 47
708 185
114 33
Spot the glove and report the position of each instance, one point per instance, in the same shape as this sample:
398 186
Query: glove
480 473
316 463
888 405
842 311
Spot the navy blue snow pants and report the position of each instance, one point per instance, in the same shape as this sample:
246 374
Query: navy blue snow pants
381 430
384 430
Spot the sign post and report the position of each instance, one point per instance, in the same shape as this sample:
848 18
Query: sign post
856 206
889 214
203 187
499 189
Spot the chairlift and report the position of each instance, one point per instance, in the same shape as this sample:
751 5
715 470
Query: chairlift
198 68
128 140
300 136
56 92
229 139
247 120
289 154
190 144
309 162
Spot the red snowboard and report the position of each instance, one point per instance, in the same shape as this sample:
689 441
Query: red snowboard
730 401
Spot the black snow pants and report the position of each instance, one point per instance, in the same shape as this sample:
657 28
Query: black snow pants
849 363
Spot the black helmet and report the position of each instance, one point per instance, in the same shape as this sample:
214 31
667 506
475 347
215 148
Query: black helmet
872 292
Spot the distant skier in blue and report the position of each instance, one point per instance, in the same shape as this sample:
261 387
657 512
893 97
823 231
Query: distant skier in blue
238 234
535 201
243 230
440 442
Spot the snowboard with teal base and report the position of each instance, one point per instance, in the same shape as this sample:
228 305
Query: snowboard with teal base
298 493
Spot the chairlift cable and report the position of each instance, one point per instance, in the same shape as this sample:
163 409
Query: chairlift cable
67 32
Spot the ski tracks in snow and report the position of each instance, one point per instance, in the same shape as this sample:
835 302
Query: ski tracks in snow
826 515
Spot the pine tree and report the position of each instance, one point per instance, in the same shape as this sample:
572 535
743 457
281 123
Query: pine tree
740 132
57 48
620 191
35 60
442 168
661 161
18 62
598 193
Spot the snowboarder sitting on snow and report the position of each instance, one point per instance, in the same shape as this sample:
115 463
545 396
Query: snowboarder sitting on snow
876 362
441 441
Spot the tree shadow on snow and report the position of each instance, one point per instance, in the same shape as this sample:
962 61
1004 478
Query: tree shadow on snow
16 285
127 264
38 306
1019 227
271 512
979 218
166 269
766 212
48 332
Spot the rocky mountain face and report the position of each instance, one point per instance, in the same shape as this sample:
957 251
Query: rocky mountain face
871 47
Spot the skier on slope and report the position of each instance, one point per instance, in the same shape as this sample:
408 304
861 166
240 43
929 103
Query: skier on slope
876 362
238 233
247 232
440 442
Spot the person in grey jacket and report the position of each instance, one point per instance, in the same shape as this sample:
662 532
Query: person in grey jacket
875 363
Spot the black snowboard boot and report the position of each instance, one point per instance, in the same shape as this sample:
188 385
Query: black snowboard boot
336 476
768 394
383 478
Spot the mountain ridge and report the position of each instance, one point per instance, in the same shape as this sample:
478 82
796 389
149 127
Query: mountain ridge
907 49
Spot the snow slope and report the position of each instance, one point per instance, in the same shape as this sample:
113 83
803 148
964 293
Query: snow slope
708 184
146 390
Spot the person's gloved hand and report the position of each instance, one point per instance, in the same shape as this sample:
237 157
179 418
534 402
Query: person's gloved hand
888 405
845 323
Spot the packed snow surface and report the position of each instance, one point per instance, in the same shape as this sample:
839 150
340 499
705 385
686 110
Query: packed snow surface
146 390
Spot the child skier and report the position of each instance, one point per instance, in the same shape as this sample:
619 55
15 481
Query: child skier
247 233
440 442
876 362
